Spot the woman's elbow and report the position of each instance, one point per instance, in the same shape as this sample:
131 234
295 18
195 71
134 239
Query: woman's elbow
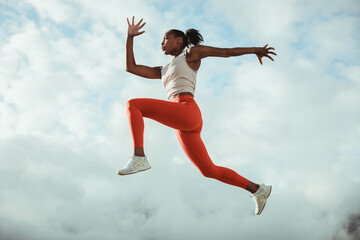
129 68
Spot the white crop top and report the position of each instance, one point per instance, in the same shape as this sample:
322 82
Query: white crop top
178 77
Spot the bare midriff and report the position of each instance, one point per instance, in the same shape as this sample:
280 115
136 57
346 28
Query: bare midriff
180 94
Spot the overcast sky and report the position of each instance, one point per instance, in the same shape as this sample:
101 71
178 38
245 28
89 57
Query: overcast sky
293 123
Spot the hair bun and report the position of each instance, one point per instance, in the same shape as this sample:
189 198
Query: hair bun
193 36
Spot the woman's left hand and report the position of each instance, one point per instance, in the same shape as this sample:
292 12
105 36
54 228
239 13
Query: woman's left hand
264 52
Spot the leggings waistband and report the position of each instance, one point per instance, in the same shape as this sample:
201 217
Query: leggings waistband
182 98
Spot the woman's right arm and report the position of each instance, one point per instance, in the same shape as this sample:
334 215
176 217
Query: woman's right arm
131 66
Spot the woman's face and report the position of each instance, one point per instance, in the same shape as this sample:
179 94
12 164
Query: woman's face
170 43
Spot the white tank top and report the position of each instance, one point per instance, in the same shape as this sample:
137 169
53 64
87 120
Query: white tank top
178 77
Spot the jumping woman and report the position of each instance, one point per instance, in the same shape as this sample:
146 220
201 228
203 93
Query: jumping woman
181 111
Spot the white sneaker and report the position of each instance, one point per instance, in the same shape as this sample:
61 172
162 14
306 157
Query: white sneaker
260 197
134 165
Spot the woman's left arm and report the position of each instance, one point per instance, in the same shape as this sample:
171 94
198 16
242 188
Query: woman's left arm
200 51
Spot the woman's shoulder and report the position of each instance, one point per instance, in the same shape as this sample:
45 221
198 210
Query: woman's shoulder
194 48
192 53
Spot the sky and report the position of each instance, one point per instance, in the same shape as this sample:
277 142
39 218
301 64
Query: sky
293 123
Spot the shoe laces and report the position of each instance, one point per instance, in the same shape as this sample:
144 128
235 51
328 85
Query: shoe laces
133 163
259 198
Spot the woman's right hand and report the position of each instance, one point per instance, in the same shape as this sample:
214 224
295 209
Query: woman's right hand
133 30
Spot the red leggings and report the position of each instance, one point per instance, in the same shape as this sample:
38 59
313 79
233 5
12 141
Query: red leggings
182 114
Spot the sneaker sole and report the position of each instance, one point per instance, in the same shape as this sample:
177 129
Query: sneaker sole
265 202
123 174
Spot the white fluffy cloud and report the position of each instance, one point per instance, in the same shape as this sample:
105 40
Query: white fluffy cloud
293 123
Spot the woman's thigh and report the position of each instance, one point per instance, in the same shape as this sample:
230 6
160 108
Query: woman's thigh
184 116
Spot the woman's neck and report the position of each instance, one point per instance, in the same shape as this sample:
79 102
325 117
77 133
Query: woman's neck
177 53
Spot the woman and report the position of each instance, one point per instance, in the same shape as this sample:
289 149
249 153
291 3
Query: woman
181 111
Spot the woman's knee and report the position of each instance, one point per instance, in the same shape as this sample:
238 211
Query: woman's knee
210 172
132 103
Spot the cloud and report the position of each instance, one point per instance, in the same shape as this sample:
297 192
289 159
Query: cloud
292 123
350 229
59 11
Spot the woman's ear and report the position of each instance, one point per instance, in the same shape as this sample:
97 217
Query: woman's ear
179 40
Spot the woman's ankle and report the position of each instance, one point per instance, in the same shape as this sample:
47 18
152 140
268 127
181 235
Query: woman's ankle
139 155
139 152
252 187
